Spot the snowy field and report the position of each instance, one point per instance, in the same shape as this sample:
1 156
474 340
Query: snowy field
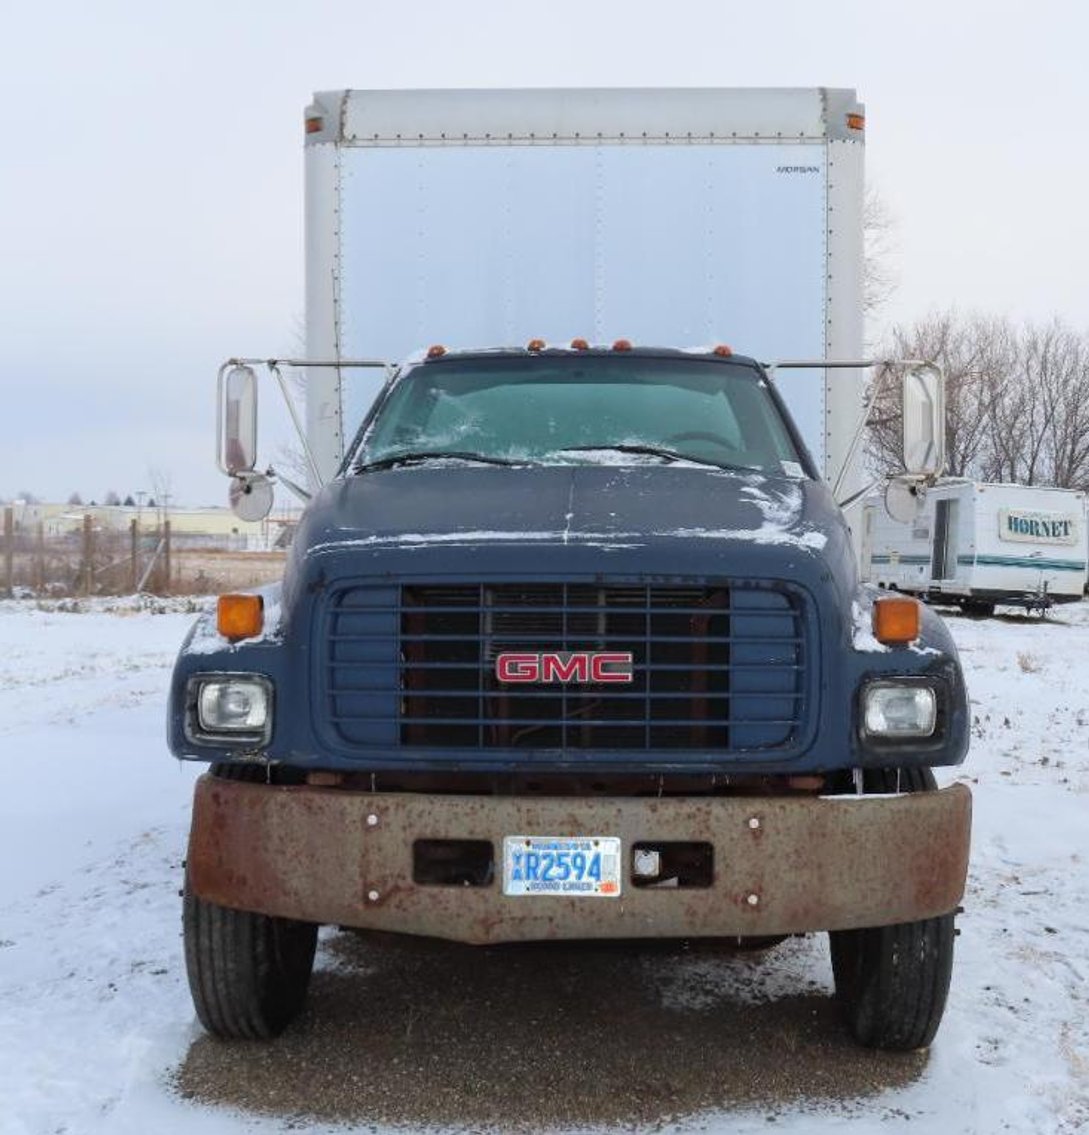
95 1017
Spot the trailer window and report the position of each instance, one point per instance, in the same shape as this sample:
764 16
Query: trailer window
549 410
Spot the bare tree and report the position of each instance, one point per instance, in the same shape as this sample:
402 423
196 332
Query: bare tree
162 481
1017 399
977 355
879 277
1040 427
1068 443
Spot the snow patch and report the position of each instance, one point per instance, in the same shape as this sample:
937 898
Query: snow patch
862 635
93 821
206 639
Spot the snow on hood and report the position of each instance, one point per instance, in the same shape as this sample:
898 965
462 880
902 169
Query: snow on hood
568 504
863 638
780 510
207 640
862 635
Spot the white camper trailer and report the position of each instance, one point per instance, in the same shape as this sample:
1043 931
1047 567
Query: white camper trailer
976 545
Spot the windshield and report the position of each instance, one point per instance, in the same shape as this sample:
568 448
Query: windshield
582 409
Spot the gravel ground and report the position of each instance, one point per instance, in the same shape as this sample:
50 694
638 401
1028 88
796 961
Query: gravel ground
420 1033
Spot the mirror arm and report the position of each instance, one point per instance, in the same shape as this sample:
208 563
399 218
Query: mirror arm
860 428
274 367
859 495
298 490
856 364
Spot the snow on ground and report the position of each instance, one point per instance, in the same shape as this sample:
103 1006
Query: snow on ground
95 1014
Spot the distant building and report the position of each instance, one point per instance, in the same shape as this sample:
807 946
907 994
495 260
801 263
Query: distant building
196 527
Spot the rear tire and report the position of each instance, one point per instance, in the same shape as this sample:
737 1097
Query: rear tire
892 981
248 973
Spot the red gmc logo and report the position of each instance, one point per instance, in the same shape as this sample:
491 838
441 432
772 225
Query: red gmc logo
579 666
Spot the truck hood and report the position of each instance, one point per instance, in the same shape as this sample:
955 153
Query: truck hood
643 523
570 504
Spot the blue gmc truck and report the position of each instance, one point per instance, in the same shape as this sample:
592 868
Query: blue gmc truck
570 645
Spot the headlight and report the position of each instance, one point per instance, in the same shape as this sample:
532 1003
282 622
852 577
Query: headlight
892 709
231 707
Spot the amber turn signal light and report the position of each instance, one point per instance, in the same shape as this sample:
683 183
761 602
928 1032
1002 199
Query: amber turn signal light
896 620
240 616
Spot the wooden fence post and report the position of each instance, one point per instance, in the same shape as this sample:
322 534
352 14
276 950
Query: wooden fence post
166 557
9 551
88 555
134 558
39 558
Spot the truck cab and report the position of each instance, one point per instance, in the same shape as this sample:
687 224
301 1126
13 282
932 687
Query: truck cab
573 645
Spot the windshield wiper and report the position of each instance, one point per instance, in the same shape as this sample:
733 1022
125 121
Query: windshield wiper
420 456
657 451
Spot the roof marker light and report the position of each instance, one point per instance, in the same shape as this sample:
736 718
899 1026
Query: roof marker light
579 345
622 345
856 122
315 125
535 345
436 352
722 351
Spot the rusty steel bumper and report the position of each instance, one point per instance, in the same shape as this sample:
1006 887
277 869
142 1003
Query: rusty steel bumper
806 863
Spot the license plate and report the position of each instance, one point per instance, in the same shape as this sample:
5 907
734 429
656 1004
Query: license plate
577 866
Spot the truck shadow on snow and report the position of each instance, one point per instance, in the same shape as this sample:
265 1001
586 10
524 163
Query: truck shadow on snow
423 1033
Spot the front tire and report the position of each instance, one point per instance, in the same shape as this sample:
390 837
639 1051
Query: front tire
248 973
892 981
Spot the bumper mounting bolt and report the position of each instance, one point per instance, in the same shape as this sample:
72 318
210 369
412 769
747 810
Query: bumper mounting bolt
372 896
372 821
753 900
754 822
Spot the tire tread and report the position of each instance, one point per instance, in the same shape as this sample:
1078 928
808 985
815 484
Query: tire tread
248 973
892 981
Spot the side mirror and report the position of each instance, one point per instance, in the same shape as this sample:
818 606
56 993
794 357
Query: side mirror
924 421
251 496
238 420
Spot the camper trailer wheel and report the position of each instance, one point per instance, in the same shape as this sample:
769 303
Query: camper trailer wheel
980 608
892 981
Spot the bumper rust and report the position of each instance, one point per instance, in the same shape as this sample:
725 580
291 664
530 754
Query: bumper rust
812 863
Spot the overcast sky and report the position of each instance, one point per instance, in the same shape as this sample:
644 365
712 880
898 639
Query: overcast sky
151 175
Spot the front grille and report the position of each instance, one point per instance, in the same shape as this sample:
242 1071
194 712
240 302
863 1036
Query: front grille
714 667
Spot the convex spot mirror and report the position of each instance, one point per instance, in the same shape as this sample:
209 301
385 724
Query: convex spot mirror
251 497
903 500
924 421
238 401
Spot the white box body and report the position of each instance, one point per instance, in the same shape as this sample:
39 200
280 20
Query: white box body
679 218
